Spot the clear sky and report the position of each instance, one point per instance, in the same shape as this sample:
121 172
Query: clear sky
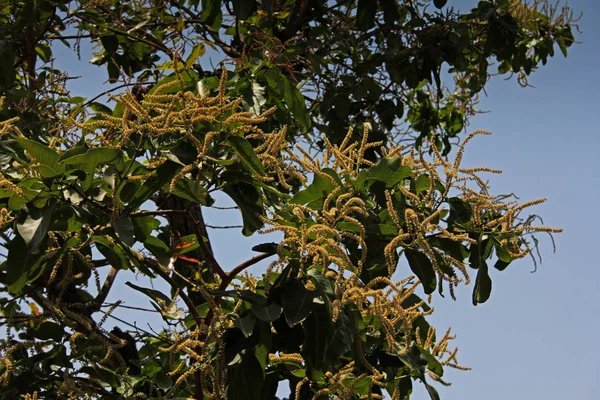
536 336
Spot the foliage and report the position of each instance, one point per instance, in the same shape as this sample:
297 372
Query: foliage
339 312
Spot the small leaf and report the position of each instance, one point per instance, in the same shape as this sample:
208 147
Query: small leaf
267 248
365 14
155 295
186 244
197 51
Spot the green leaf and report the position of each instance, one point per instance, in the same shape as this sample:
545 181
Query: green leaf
35 225
95 156
191 190
7 66
48 158
267 248
49 331
317 330
19 261
439 3
244 8
124 229
422 267
483 285
422 183
245 380
247 198
296 104
113 253
186 244
246 324
389 171
267 313
197 51
319 189
298 302
247 155
158 179
155 295
365 14
460 211
211 13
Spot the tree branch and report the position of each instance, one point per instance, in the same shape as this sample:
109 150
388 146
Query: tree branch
101 297
158 269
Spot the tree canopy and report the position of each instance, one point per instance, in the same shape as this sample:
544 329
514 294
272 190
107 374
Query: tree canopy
341 125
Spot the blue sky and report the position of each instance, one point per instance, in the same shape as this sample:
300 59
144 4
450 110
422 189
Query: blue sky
536 336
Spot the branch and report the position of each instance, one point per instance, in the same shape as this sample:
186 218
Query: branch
101 297
234 272
159 212
158 269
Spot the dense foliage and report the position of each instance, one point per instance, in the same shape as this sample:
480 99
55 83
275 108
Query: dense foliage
302 127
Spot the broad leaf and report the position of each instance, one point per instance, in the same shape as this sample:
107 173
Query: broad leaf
298 302
422 267
33 228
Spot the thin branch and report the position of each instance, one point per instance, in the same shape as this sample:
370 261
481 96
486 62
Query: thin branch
87 103
246 264
108 282
158 269
224 226
159 212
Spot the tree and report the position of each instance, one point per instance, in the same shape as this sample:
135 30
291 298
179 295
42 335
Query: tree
329 122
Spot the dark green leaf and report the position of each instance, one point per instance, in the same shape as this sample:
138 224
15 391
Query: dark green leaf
155 295
268 248
49 330
40 152
247 198
246 324
244 8
365 14
296 104
124 229
422 267
439 3
19 262
298 302
460 211
483 285
245 381
267 313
